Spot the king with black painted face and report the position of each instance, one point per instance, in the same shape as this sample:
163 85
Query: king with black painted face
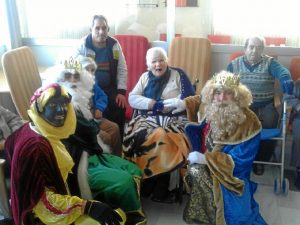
55 111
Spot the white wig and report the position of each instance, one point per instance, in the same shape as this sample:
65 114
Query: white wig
81 94
228 81
86 61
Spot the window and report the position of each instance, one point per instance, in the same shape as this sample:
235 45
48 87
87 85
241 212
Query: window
4 28
65 19
70 19
272 18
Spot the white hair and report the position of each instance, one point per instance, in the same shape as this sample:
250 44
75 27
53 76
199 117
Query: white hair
82 94
154 53
86 61
260 38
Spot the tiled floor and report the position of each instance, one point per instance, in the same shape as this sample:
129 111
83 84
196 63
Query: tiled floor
276 209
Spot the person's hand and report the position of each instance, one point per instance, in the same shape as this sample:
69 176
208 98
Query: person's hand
196 157
121 100
102 212
98 114
2 142
176 104
287 97
288 87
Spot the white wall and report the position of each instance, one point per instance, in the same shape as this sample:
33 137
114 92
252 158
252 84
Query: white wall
48 54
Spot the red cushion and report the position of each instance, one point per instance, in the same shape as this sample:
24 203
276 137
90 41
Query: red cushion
163 36
277 41
219 38
234 55
134 48
295 67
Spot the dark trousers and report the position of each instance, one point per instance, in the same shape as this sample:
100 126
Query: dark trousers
113 112
157 185
117 115
269 118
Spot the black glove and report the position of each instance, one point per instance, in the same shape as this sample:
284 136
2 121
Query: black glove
102 212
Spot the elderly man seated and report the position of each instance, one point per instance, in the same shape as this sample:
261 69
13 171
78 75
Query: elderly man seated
259 72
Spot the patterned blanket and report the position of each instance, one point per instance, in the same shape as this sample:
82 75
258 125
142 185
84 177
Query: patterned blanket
157 144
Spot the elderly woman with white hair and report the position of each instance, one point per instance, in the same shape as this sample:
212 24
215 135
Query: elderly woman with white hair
154 139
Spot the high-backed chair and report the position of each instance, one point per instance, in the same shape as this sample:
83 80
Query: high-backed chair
234 55
134 48
23 78
193 55
161 44
21 71
219 38
276 41
295 67
163 36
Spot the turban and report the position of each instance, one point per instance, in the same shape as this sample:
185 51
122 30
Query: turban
50 132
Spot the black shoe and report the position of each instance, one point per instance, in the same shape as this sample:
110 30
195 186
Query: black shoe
145 194
258 169
169 199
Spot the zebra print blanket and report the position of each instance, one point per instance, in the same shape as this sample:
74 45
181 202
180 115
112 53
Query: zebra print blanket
157 144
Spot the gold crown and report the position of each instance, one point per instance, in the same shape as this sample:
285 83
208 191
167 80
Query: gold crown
73 64
226 79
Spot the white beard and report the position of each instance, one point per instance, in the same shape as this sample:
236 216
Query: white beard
224 119
81 93
80 99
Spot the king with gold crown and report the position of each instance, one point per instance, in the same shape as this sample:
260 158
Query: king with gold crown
224 146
